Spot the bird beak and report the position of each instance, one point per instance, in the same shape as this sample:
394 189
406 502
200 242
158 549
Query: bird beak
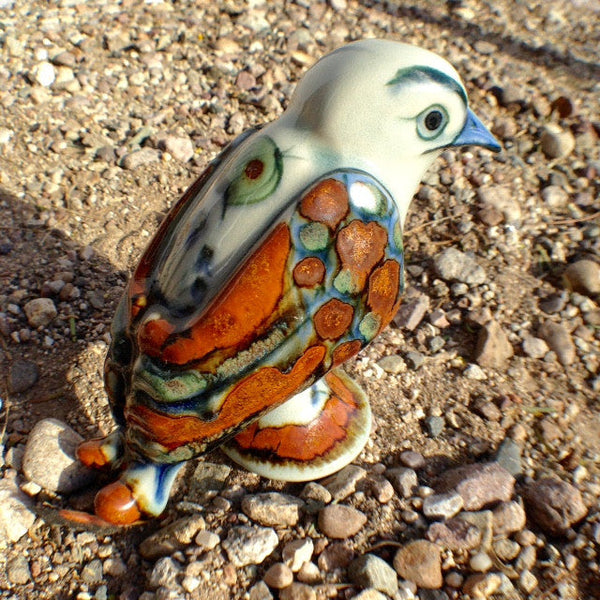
475 133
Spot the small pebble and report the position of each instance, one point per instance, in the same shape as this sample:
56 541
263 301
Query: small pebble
481 562
297 552
370 571
442 506
278 576
411 459
343 483
509 517
340 521
249 545
50 457
420 562
556 142
481 586
171 538
40 312
479 484
298 591
273 509
583 276
404 481
554 504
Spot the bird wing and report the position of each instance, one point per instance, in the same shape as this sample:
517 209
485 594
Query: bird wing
322 281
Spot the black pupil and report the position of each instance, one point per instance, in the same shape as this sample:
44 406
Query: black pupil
433 120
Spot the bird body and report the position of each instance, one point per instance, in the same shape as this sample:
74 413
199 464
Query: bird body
281 262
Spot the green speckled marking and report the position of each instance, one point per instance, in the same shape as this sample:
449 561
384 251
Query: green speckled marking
177 388
369 326
314 236
398 236
345 283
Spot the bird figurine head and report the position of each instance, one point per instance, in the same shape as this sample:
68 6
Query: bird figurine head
388 108
281 262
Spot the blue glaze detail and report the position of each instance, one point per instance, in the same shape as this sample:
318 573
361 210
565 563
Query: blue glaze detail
475 133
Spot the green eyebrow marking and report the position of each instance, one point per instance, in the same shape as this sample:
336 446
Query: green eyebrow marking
425 75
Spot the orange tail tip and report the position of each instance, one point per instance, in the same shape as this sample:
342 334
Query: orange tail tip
91 455
116 504
101 452
86 520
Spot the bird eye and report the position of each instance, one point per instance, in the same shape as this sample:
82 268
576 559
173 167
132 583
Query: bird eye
431 122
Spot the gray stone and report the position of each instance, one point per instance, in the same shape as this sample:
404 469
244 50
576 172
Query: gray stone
556 142
501 198
559 340
171 538
22 376
273 509
493 347
442 506
370 571
164 573
92 572
297 552
482 585
555 197
316 492
509 456
17 570
371 594
508 518
554 504
16 516
208 479
50 458
343 483
249 545
178 147
278 576
436 343
40 312
455 534
298 591
43 74
479 484
506 550
474 372
392 364
404 480
138 158
583 276
434 425
260 591
340 521
535 347
420 562
414 359
554 303
411 312
454 265
412 459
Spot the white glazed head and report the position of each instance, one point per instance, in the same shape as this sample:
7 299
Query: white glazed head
367 95
387 108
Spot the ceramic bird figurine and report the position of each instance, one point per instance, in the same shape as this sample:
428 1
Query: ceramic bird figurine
282 261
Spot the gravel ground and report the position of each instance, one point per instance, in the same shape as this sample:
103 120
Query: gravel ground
109 110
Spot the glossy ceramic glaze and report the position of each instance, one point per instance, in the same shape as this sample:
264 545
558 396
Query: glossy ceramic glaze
281 262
